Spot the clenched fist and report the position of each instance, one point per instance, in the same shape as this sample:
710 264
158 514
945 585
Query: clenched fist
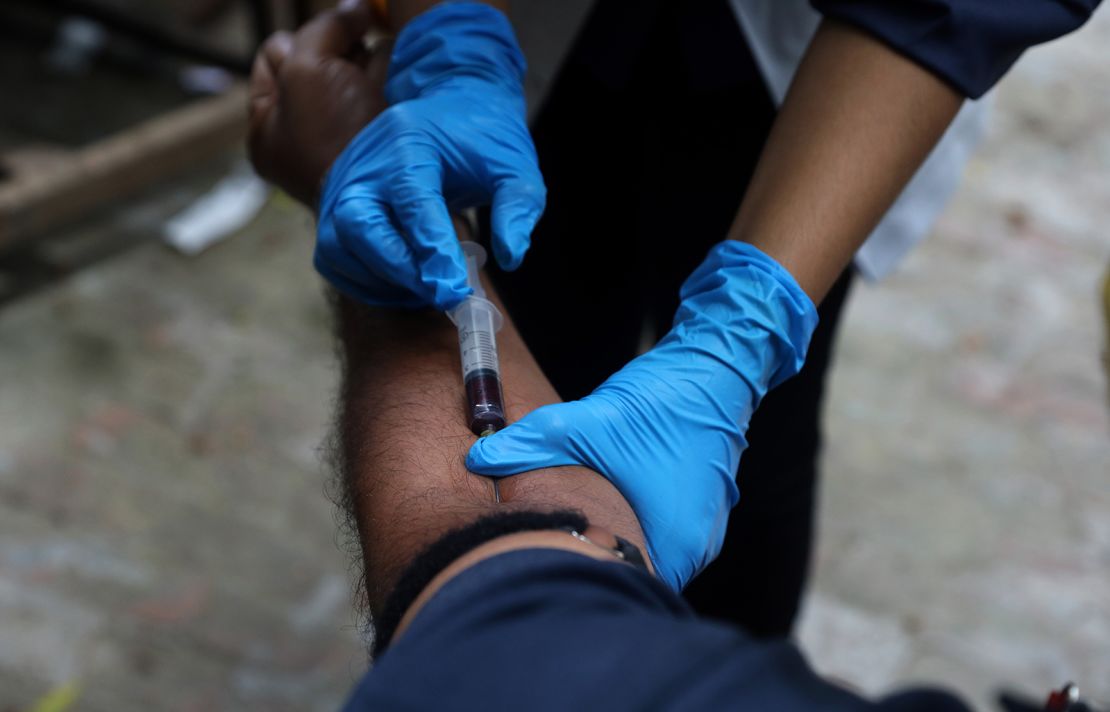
311 93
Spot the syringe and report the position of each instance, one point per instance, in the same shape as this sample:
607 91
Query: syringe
477 320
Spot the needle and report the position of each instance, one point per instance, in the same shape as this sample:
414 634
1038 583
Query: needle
496 482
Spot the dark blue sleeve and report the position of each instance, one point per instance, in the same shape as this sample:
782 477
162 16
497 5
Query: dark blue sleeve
549 631
968 43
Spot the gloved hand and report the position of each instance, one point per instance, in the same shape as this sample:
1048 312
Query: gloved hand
668 429
455 137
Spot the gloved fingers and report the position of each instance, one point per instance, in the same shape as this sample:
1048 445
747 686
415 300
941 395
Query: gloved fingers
276 49
334 33
518 204
371 292
421 210
365 230
538 440
339 265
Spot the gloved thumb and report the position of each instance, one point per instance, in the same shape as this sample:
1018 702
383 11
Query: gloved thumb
538 440
518 204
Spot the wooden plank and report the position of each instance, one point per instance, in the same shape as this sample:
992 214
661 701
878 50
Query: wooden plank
110 170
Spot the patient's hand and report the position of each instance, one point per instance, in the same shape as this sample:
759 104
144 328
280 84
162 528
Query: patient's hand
311 93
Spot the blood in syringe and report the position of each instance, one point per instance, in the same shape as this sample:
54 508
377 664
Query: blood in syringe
484 402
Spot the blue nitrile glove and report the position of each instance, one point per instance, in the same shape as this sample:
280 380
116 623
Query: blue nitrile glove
668 429
454 137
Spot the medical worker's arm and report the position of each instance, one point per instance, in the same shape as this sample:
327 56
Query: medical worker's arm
878 86
858 121
669 428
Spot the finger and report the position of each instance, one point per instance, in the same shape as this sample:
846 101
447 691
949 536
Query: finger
377 69
262 129
267 63
277 48
366 231
263 86
517 206
347 272
263 90
261 115
371 292
334 33
420 208
536 441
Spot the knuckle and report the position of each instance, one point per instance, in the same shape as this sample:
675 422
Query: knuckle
413 194
359 212
532 190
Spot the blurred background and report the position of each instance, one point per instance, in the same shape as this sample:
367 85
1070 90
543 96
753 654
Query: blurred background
166 378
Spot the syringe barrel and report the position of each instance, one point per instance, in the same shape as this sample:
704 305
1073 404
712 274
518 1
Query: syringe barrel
478 320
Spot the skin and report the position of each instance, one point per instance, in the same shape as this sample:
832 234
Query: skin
856 124
858 121
404 439
402 430
310 94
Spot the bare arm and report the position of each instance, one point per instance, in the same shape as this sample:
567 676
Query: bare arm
404 438
857 123
402 432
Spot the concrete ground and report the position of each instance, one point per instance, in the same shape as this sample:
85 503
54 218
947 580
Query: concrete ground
166 539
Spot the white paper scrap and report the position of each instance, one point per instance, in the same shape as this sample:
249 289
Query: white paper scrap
227 208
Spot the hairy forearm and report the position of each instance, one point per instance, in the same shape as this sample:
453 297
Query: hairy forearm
858 121
403 440
398 428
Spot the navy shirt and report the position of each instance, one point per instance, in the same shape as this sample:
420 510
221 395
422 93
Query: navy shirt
543 629
968 43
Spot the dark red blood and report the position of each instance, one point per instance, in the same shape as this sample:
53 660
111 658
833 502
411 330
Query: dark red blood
484 403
